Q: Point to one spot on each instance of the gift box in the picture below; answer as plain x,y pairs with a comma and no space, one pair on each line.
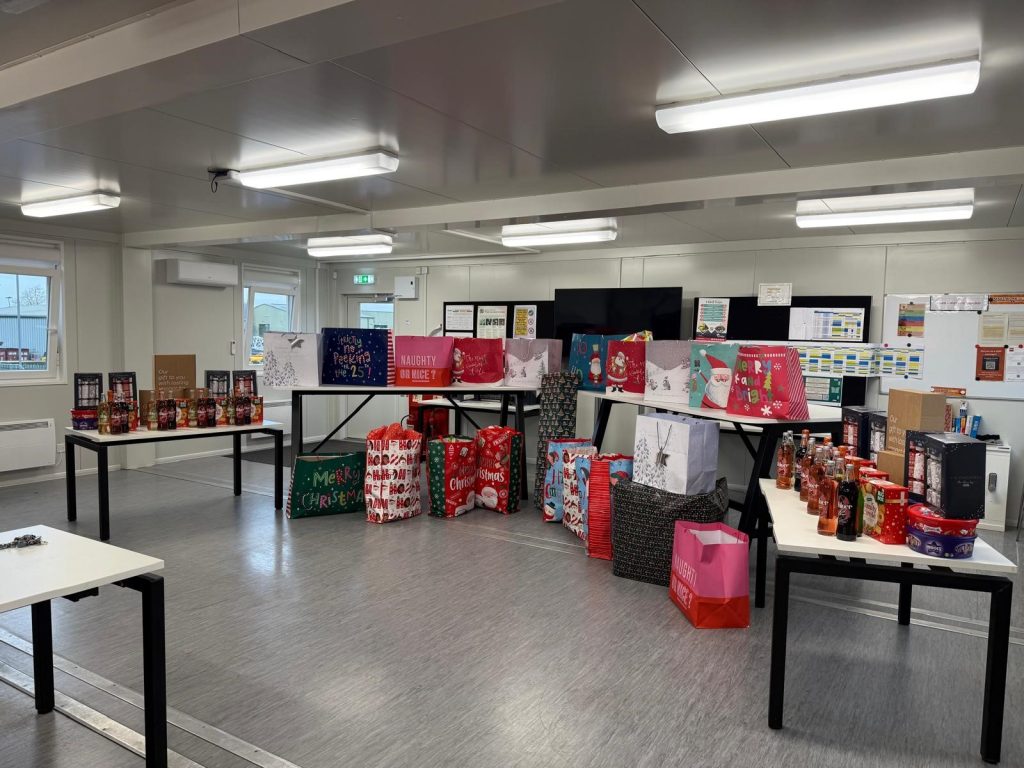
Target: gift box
478,361
767,382
291,359
556,453
710,581
326,484
356,356
856,432
955,475
925,519
711,367
499,480
527,360
884,511
675,453
586,359
625,366
877,421
451,475
423,361
667,371
392,486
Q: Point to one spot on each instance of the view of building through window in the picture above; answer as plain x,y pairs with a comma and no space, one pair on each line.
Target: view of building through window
270,312
24,321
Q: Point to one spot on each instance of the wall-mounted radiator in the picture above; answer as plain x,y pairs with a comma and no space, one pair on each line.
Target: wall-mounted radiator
27,444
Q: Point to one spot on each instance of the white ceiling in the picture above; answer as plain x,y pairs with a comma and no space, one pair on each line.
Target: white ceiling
487,102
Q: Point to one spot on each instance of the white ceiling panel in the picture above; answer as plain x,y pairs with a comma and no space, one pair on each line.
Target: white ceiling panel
132,215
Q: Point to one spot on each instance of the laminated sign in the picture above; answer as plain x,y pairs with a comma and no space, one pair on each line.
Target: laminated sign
356,356
392,486
451,475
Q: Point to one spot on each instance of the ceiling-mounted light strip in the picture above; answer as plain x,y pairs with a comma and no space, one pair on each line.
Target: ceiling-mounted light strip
934,81
64,206
896,208
559,232
368,164
352,245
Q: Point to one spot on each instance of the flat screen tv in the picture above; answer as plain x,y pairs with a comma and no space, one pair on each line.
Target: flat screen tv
618,310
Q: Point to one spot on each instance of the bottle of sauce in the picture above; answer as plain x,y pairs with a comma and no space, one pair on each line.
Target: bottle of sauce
846,505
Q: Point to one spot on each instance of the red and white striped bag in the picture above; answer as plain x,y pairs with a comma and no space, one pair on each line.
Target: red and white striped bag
767,382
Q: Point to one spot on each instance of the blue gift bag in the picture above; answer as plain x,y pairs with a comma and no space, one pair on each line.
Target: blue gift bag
355,356
586,357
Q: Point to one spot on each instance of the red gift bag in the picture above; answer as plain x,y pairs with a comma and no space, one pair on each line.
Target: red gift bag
498,480
478,361
451,476
767,382
710,580
606,470
625,366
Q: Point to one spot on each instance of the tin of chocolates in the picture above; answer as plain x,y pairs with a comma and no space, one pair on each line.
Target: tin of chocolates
926,520
937,545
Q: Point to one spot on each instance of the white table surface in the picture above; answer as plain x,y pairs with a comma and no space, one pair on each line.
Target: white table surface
796,533
166,434
475,405
818,413
65,564
342,389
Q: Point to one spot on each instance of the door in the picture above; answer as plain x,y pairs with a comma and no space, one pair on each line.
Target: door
363,311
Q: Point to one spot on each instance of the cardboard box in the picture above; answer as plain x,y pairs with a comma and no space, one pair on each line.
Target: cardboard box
910,409
175,373
955,475
892,462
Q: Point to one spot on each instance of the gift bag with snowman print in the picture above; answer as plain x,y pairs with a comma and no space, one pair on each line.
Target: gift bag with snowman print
667,374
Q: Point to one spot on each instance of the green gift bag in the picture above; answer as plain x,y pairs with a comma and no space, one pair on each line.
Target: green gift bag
327,484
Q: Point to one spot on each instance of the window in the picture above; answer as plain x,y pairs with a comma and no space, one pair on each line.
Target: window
270,301
31,303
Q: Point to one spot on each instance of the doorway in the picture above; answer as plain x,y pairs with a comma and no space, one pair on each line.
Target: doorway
370,311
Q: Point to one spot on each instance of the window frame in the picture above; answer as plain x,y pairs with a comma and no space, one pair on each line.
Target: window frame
257,278
55,373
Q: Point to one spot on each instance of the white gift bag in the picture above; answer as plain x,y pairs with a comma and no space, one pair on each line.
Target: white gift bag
291,360
526,360
675,453
667,374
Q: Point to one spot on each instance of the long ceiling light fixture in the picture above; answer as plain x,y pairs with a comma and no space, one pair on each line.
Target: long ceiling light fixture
64,206
367,164
560,232
352,245
897,208
933,81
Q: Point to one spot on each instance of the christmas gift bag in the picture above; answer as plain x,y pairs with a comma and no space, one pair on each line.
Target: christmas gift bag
667,374
624,369
451,475
326,484
711,374
478,361
555,454
355,356
675,453
291,359
710,580
586,358
423,361
606,470
768,382
527,360
575,477
557,418
499,476
392,486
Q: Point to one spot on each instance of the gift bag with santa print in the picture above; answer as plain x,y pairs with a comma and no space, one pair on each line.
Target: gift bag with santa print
392,487
624,369
606,470
710,581
667,374
711,374
586,358
527,360
675,453
498,476
478,361
556,452
451,475
767,382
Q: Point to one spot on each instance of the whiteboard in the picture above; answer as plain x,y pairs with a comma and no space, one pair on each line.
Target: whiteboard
948,347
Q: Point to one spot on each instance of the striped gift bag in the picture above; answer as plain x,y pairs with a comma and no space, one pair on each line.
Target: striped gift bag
767,382
606,470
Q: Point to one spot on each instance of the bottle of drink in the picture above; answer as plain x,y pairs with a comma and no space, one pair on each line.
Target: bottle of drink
798,459
784,462
846,506
814,478
827,502
805,467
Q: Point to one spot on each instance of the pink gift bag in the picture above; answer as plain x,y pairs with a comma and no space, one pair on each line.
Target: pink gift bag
710,579
423,361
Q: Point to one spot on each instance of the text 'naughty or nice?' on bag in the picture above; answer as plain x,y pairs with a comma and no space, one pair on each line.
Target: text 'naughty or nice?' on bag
392,486
710,581
327,484
356,356
423,361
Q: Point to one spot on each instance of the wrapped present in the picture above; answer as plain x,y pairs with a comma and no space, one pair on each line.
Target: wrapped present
667,371
557,419
624,367
451,475
327,484
423,361
291,359
555,454
884,514
675,453
499,475
710,579
392,486
586,359
478,361
527,360
356,356
606,470
575,477
711,368
767,382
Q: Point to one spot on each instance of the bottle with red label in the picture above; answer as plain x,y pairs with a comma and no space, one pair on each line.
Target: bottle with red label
815,475
827,501
805,467
798,459
784,462
846,505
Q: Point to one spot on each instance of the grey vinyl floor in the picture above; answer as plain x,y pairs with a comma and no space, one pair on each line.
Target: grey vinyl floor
481,641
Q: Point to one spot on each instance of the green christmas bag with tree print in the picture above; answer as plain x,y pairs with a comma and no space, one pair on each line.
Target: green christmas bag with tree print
327,484
451,475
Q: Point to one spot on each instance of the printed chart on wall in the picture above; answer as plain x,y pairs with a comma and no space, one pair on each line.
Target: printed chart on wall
712,320
826,324
491,321
971,340
458,320
524,321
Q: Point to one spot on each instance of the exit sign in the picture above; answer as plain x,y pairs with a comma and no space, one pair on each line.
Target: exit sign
362,279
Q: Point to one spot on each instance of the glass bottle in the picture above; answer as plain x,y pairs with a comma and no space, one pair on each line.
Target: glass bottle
814,478
805,467
798,460
784,462
846,506
827,502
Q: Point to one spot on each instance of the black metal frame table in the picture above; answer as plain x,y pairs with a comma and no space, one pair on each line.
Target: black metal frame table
99,444
74,567
803,550
448,393
754,519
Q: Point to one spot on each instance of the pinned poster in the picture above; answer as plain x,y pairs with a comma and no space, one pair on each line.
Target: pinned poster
826,324
491,320
524,321
712,319
458,318
958,302
910,321
992,327
1014,363
990,363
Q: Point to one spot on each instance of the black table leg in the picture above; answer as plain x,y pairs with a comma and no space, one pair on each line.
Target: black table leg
524,492
69,477
780,622
762,468
906,594
761,563
278,469
42,656
236,459
296,425
995,673
154,666
503,415
604,410
103,478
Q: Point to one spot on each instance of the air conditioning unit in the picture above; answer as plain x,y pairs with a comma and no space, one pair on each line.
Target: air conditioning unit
211,273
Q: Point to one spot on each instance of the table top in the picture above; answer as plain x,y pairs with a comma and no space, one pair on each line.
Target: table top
475,405
796,533
148,436
463,389
65,564
818,413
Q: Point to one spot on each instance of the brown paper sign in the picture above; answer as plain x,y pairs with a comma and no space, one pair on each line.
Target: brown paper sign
176,372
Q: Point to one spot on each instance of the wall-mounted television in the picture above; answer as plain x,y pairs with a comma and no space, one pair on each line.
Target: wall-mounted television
618,310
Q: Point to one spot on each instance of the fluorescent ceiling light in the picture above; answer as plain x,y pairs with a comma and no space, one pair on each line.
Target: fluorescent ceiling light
933,81
353,245
80,204
896,208
367,164
560,232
